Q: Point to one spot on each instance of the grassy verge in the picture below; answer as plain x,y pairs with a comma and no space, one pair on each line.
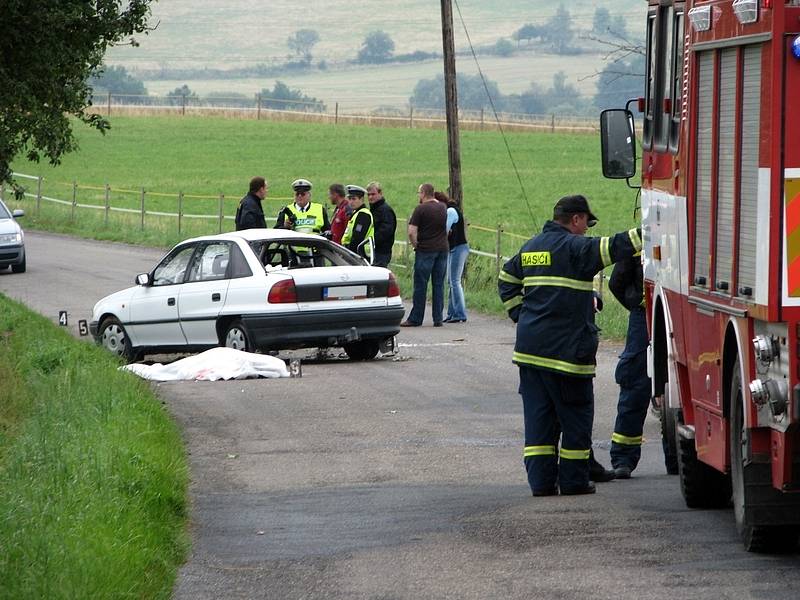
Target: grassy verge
93,476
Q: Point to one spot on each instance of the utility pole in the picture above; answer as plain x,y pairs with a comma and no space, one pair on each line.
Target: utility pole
451,102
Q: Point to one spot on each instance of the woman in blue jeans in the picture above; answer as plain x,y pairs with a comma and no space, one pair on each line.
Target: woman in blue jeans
457,259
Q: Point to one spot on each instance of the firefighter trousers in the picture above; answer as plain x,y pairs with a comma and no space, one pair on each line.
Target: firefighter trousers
550,400
634,394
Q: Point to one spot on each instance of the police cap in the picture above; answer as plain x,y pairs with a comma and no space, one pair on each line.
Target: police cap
301,185
355,191
570,205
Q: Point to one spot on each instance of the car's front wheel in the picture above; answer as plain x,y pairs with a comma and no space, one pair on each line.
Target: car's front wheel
363,350
114,338
20,268
236,337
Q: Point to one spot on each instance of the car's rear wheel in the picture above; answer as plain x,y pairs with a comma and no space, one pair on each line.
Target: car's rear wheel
236,337
20,268
363,350
114,338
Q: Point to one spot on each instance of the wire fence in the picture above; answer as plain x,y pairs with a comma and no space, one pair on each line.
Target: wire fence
109,207
260,107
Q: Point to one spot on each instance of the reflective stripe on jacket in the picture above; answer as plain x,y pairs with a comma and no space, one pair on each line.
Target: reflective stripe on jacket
547,290
311,220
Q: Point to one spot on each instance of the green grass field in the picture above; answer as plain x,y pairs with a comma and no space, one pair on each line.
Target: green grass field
209,156
93,475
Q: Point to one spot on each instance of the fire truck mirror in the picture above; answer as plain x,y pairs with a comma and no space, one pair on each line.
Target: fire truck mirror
618,144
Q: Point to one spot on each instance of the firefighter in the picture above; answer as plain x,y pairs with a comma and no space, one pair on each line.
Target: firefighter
547,290
359,236
627,285
303,215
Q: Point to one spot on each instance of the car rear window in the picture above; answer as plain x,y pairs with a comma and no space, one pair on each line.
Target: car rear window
296,254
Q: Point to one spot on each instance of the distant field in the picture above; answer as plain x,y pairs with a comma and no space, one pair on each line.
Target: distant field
240,33
363,88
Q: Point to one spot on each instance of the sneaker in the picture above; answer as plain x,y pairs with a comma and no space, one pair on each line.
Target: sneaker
408,323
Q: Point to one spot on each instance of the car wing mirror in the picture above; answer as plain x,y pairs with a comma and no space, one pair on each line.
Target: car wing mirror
17,213
618,144
143,279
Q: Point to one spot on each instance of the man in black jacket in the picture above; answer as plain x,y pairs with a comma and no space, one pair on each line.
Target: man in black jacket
547,290
250,214
384,222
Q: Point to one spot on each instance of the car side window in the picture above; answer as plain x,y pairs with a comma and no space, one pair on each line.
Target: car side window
211,262
172,269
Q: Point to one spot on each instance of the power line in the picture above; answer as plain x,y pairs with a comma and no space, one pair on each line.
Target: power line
497,119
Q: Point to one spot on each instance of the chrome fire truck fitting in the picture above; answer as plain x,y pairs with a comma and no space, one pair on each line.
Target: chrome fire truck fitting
766,348
772,392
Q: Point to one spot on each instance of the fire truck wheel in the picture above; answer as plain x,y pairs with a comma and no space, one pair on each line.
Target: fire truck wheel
669,432
702,486
752,485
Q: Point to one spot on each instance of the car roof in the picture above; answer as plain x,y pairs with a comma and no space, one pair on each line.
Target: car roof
254,235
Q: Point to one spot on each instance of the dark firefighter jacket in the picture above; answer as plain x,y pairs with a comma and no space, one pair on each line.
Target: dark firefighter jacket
627,282
547,290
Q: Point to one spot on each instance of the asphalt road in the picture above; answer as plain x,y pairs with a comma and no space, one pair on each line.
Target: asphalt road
403,478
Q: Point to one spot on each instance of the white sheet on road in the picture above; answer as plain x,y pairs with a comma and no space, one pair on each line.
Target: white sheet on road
214,364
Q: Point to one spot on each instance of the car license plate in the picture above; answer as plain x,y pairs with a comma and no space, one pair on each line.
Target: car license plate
344,292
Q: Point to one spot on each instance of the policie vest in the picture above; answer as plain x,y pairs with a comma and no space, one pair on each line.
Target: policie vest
348,233
309,221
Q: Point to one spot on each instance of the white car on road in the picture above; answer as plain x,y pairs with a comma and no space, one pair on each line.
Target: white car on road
12,240
259,289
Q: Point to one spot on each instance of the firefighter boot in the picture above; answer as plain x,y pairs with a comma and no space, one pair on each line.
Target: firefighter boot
598,472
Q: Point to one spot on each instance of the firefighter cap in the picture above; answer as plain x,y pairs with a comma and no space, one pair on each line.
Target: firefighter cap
570,205
355,191
301,185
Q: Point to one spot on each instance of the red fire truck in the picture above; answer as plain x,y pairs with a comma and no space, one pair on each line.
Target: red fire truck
720,204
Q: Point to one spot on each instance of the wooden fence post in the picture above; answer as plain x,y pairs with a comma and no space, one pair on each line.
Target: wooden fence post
336,115
141,209
553,123
180,210
498,251
38,195
481,119
221,210
74,200
411,117
108,110
108,202
258,110
183,104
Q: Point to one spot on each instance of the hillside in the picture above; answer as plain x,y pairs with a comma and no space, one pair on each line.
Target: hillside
235,34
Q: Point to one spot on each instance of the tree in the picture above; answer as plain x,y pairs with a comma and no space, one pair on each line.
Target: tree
503,47
429,93
282,97
527,32
376,48
618,27
602,20
558,31
117,80
48,51
620,81
301,43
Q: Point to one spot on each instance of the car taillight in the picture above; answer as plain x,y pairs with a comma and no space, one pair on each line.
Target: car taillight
394,289
283,292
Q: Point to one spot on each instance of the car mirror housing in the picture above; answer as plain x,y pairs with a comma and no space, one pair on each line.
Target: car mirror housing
143,279
18,212
618,144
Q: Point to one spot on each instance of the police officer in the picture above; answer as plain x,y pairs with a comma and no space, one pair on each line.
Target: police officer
360,227
250,213
303,215
547,290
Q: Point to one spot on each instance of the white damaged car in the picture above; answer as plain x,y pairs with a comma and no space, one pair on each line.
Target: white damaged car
254,290
12,240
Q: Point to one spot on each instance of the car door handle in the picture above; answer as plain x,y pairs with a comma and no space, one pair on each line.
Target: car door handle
215,297
170,301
